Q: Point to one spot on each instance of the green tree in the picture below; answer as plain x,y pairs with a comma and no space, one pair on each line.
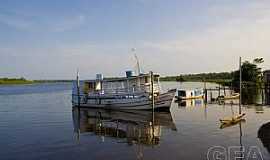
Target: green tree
251,80
251,74
258,60
179,78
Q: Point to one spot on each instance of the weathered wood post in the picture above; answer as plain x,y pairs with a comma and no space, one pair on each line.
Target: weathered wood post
240,84
152,90
78,88
205,92
218,90
153,105
79,124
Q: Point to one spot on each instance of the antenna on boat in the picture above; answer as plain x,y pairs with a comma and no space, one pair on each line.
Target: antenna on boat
137,61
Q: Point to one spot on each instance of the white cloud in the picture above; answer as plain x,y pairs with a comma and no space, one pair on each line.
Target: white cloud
34,23
69,23
241,31
235,30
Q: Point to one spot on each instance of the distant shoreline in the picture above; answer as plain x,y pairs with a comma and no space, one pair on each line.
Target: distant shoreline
22,81
224,82
220,78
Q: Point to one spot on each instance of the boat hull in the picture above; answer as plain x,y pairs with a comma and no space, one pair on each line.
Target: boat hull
162,102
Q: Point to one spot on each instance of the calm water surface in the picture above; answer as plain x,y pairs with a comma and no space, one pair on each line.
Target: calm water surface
37,122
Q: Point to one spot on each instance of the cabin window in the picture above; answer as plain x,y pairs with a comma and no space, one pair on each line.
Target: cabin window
98,86
182,93
91,87
146,79
156,78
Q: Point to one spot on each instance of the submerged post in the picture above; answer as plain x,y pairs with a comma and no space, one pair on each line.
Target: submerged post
240,84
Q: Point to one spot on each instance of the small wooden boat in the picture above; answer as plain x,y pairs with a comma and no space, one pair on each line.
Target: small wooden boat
233,96
232,120
189,94
225,125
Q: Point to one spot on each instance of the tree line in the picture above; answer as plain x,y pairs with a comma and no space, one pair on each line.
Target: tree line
251,75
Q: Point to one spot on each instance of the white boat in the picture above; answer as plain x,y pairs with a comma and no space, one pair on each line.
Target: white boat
189,94
127,93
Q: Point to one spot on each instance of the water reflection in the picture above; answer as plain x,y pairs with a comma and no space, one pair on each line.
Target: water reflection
264,135
133,127
190,103
255,95
267,94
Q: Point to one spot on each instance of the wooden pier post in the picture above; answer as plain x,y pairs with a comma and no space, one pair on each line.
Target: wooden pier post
205,96
219,90
78,124
78,88
205,92
153,106
240,84
152,90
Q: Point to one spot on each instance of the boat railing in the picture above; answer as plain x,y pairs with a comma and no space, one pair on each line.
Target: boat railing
129,90
115,94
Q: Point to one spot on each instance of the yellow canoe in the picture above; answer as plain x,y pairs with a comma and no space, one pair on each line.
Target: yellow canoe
234,119
233,96
188,98
225,125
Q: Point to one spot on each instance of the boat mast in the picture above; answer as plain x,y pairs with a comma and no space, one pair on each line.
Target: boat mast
137,63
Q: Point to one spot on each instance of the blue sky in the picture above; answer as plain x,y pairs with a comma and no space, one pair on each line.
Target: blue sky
51,39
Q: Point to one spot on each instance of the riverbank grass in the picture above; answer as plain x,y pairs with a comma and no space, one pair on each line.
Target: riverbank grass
4,81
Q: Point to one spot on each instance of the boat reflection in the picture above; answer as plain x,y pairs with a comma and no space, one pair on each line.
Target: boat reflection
132,127
190,103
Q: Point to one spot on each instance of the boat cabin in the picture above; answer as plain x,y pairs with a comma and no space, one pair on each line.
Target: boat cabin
121,85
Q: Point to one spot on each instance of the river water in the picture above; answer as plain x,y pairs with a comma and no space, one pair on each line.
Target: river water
38,122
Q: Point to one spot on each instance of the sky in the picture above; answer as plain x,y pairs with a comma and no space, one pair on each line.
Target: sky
52,39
